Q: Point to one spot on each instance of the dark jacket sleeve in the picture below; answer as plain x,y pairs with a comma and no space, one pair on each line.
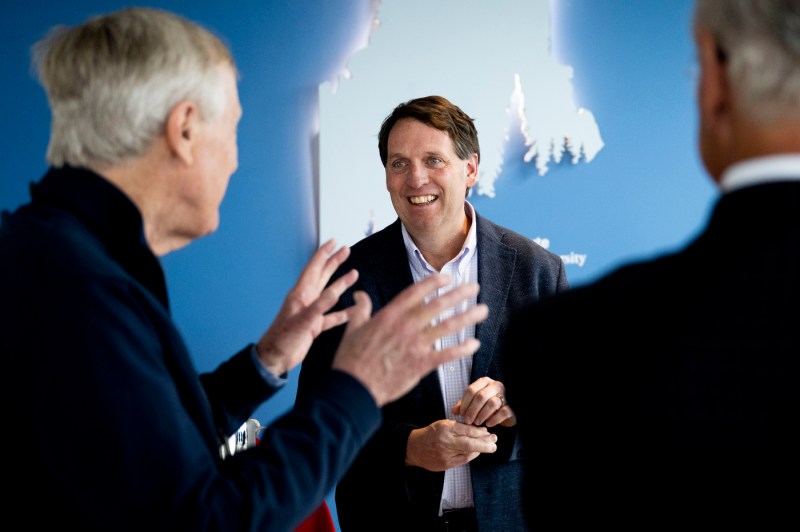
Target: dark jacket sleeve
119,432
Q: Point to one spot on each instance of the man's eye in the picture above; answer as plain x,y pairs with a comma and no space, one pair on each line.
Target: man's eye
398,164
434,161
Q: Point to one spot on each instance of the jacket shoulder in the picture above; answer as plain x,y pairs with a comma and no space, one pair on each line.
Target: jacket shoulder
516,241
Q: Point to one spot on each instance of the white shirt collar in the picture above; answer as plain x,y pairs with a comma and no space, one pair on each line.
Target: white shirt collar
467,250
784,167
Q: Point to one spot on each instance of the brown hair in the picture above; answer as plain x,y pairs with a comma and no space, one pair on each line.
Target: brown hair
437,112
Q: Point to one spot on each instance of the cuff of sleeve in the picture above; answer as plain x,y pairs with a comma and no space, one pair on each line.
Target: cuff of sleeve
274,381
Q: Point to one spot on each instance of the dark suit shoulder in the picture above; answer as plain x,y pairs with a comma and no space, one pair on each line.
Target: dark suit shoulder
380,241
517,241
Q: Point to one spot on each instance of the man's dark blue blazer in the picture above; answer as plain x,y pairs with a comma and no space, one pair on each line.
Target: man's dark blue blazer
379,491
106,423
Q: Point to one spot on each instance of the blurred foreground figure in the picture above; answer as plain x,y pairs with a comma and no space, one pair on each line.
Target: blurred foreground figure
108,426
669,390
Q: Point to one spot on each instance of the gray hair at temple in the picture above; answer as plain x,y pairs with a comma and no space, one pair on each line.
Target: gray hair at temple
760,42
112,81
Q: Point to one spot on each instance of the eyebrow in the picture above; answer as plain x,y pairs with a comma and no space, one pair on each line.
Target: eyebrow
440,155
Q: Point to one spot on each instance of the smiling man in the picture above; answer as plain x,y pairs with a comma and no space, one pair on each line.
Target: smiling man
446,456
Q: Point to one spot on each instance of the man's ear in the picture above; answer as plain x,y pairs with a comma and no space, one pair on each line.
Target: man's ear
714,96
181,130
472,170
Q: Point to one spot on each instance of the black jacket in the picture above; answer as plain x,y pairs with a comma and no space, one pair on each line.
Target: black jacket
107,425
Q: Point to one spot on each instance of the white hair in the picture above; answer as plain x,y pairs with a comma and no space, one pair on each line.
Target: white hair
112,81
760,42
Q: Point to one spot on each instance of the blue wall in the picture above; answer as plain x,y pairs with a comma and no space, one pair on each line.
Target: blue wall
644,193
224,288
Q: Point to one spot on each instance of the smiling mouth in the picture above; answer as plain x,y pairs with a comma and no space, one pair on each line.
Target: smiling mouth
422,200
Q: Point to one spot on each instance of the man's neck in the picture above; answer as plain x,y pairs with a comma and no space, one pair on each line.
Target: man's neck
440,248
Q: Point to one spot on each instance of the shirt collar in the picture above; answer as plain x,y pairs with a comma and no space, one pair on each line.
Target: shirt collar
418,262
784,167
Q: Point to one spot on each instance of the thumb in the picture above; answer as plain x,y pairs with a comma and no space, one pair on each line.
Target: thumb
360,312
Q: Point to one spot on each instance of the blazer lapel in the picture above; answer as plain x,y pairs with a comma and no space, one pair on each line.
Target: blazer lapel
390,264
393,274
495,280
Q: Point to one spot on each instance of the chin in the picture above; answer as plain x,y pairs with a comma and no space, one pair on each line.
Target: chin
212,221
211,228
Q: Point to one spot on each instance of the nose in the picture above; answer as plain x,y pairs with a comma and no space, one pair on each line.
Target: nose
417,175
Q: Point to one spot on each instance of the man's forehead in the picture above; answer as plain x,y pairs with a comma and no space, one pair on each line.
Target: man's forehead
431,140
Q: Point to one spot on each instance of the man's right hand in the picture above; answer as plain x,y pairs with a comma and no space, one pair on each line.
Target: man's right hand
448,443
390,352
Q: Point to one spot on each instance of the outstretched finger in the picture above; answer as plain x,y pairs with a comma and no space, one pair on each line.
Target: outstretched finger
359,313
329,297
413,296
441,356
456,322
320,257
333,262
452,298
321,266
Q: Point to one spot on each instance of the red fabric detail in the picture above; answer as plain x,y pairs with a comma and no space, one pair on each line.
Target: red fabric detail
320,521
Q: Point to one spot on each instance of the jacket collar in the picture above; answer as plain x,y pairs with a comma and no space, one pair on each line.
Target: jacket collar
109,215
